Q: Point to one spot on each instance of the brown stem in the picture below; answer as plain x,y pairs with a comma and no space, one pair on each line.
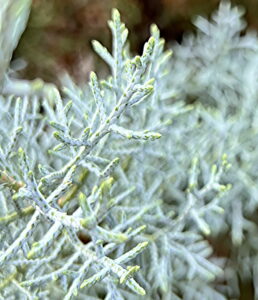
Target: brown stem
10,181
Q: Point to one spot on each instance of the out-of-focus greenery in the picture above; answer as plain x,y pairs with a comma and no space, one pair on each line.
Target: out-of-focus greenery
59,31
13,18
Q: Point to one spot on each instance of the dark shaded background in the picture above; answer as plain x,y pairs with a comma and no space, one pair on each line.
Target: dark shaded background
59,31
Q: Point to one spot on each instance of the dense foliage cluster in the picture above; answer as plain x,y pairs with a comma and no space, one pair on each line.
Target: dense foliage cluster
123,188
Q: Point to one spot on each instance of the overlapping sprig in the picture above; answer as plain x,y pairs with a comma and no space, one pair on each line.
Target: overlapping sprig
91,204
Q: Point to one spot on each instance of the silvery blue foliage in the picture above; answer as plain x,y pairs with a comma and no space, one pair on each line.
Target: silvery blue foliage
118,189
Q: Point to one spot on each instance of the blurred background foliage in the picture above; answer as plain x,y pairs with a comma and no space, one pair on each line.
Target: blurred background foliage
59,32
